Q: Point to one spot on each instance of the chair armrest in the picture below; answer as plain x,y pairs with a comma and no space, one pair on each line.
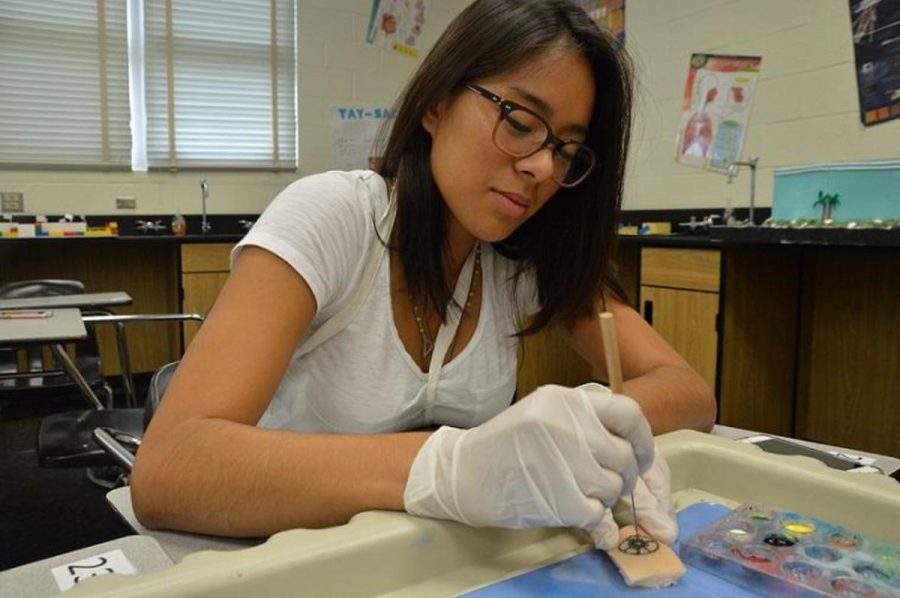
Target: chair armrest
118,321
108,441
126,318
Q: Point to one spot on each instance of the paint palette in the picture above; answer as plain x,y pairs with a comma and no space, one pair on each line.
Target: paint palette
777,552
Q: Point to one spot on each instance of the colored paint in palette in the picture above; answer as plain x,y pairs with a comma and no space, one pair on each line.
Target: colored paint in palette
776,552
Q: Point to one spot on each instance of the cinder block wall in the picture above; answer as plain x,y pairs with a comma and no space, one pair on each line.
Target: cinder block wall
806,108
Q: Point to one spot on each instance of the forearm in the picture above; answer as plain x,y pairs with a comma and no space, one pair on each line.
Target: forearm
672,398
219,477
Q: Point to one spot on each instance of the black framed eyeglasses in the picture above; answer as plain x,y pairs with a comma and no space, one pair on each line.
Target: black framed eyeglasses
521,132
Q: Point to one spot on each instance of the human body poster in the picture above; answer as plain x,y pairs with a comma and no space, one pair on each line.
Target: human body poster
397,25
876,45
718,96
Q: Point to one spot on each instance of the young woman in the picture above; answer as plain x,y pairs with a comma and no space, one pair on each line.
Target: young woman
364,308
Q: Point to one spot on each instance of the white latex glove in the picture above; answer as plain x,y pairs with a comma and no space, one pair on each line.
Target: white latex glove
556,458
653,507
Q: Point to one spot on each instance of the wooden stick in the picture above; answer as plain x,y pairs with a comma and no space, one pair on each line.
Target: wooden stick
611,352
661,567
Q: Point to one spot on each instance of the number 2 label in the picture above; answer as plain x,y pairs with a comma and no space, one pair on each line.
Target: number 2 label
114,561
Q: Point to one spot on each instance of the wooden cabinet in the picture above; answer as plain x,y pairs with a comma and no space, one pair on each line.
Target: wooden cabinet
759,339
146,269
811,344
204,270
848,366
680,298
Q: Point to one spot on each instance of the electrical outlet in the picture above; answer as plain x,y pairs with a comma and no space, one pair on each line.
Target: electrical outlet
126,203
12,201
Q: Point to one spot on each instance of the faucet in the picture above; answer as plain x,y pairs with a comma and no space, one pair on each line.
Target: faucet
205,226
150,226
704,224
733,171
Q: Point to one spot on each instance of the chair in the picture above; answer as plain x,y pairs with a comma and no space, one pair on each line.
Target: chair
25,371
77,438
67,439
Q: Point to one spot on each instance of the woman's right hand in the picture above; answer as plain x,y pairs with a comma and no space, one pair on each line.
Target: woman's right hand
559,457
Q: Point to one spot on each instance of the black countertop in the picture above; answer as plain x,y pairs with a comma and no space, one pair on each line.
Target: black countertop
230,228
136,238
677,240
723,236
831,237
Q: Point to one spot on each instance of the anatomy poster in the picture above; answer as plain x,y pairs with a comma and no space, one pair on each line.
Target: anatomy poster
609,14
876,44
397,25
716,109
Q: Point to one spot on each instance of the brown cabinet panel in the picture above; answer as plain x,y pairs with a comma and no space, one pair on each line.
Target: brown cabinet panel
204,269
760,324
200,292
696,269
849,376
205,257
687,320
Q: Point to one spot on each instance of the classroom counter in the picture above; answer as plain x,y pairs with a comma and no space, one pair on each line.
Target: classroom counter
229,228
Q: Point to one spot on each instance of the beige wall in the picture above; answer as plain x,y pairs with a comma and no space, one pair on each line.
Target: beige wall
806,107
335,66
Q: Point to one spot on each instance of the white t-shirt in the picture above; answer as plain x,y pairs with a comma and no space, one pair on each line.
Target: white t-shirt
362,380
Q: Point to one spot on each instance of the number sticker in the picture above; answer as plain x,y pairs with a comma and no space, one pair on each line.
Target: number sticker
114,561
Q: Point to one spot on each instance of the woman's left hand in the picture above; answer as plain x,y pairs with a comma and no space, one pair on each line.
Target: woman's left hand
652,504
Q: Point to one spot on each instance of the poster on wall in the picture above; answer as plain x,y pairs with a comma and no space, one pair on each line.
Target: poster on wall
608,14
876,45
397,25
354,132
718,96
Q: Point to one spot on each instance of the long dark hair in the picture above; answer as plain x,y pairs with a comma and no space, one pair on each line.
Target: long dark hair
568,242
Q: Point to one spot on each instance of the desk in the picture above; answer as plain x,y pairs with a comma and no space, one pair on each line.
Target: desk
85,301
386,553
139,554
176,544
81,300
63,325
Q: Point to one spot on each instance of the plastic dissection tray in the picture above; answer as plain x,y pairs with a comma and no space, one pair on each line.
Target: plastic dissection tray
383,553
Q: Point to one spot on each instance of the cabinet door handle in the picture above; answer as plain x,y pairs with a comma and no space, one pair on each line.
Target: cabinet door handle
648,312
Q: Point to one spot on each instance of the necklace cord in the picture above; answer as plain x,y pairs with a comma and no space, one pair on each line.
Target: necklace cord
419,316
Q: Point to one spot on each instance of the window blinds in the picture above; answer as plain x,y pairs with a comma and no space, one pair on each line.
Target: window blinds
220,81
64,83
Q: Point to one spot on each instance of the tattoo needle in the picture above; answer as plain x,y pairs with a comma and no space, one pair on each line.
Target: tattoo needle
634,514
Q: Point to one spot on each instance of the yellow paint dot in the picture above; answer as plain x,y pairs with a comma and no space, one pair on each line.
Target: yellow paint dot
800,528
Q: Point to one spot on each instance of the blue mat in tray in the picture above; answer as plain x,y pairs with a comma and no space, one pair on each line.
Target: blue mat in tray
593,574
